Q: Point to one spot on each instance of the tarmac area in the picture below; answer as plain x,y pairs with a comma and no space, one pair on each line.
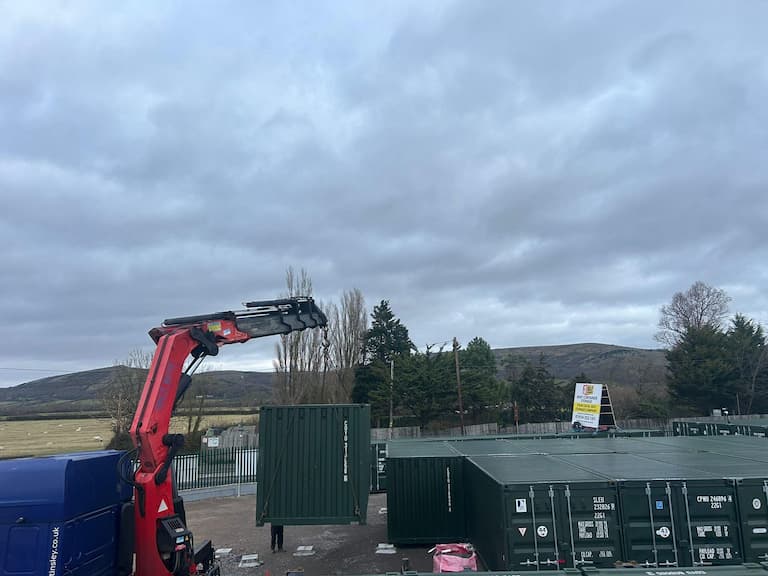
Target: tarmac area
337,550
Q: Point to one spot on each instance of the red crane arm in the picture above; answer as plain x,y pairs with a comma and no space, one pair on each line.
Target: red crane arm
163,545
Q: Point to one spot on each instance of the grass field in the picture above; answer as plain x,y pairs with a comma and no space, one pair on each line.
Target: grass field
41,437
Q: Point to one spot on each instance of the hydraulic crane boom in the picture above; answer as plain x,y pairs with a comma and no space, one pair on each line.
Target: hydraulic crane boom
163,545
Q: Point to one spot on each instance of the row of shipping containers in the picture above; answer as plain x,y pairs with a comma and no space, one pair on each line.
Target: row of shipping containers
553,504
378,456
749,569
741,428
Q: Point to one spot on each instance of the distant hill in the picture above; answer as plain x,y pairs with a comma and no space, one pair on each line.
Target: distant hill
82,391
600,362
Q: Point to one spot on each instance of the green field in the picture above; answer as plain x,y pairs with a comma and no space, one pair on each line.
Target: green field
41,437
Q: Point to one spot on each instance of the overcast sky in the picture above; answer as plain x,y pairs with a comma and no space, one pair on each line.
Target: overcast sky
533,173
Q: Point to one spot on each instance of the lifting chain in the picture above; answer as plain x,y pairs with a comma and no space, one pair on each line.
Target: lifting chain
326,344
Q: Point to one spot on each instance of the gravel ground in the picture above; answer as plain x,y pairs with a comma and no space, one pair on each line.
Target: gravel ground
339,550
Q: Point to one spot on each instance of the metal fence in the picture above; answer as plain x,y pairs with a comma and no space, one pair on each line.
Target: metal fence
215,467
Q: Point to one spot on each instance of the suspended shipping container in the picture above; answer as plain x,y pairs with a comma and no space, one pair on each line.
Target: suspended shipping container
314,464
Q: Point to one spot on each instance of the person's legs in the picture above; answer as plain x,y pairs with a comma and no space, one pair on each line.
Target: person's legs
273,531
280,538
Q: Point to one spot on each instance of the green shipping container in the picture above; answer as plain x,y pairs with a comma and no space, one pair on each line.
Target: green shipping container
749,569
534,512
425,494
753,504
314,464
378,467
675,511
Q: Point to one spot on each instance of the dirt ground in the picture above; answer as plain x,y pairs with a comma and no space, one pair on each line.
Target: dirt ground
338,550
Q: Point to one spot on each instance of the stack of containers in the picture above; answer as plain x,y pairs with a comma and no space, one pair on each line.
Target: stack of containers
738,428
61,515
600,503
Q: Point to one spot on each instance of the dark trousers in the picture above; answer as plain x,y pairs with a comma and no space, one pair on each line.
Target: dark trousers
277,535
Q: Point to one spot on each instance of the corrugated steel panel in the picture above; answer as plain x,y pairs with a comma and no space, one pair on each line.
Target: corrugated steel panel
314,464
425,500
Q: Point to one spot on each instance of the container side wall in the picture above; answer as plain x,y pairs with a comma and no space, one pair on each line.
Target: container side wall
485,517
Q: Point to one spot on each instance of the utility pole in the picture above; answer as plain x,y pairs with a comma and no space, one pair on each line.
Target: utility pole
458,382
391,396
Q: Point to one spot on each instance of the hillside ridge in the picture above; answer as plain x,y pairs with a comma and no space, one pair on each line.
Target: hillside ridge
82,391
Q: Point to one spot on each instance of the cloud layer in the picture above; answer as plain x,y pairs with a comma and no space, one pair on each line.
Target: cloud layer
529,173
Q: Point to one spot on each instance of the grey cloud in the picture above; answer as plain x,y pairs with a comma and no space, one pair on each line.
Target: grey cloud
530,173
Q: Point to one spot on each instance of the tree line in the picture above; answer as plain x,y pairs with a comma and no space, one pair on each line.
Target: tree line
712,362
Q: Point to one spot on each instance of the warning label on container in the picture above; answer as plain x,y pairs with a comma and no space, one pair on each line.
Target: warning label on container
521,505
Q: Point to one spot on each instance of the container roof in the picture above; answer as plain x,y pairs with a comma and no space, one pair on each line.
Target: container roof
527,469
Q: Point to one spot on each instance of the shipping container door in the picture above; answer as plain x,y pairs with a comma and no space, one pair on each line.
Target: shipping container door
532,522
381,467
648,515
591,526
753,509
425,500
378,467
708,523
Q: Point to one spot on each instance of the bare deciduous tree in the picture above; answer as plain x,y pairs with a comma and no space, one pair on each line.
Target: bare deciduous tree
121,396
191,410
299,363
701,305
348,323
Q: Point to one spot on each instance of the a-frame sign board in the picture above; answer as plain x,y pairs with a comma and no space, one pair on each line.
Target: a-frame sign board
592,408
607,418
